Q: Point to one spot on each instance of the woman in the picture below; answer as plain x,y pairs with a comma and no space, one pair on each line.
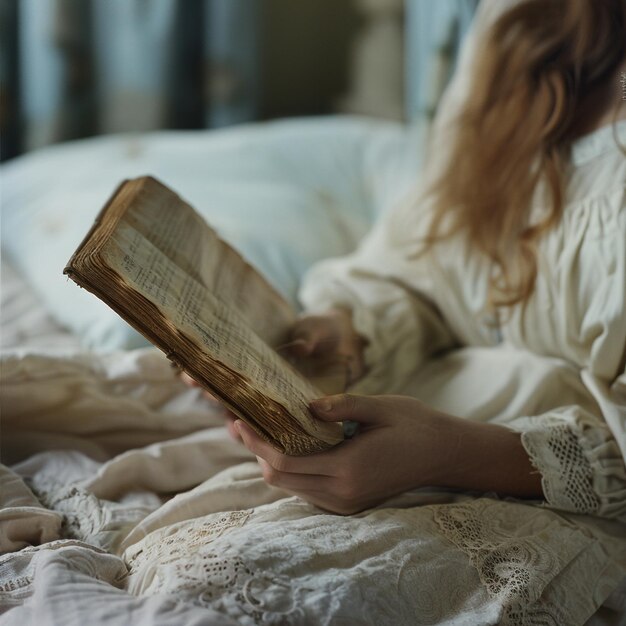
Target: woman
499,296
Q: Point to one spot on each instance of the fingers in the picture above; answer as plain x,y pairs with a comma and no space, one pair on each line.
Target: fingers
188,380
297,348
229,415
317,478
232,429
191,382
312,334
310,483
311,464
346,406
325,492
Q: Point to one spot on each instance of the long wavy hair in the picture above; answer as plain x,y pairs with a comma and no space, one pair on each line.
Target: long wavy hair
532,72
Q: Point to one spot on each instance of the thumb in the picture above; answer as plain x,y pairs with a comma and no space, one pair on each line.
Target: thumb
346,406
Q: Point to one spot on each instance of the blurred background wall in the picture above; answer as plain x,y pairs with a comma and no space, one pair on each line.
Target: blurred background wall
76,68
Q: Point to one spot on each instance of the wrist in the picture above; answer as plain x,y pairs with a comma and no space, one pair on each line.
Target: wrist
487,457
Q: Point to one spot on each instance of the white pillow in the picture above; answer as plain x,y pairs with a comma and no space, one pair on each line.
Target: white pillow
285,194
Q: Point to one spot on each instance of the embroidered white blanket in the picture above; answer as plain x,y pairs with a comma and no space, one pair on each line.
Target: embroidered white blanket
125,501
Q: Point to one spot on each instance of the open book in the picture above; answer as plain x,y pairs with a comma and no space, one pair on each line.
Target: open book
156,262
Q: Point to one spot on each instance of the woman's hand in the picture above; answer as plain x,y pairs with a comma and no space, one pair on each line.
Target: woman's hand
327,350
401,444
226,414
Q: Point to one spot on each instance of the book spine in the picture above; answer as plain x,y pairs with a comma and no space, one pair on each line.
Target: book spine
70,264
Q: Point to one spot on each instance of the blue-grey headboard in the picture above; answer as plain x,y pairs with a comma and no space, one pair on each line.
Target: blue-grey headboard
434,30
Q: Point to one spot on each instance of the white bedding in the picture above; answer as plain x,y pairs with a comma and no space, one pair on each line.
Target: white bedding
125,501
122,498
285,194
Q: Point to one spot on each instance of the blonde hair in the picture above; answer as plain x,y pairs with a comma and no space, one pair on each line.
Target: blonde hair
532,72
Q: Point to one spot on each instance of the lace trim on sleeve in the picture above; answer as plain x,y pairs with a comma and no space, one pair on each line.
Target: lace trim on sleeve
566,474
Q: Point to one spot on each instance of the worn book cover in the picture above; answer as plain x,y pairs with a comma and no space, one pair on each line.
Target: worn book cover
153,259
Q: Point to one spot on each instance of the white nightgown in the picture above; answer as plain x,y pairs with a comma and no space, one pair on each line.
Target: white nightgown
556,374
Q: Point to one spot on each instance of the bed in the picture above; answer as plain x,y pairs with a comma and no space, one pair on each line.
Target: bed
123,499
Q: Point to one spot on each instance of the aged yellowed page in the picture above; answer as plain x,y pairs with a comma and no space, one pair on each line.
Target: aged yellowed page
155,261
218,328
173,227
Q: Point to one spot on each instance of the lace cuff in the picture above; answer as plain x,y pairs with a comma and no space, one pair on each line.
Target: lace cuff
581,467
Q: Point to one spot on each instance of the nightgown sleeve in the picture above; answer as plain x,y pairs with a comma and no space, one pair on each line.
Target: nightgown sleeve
579,454
388,291
578,451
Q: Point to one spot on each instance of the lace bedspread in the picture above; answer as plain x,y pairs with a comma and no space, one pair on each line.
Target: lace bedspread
123,500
